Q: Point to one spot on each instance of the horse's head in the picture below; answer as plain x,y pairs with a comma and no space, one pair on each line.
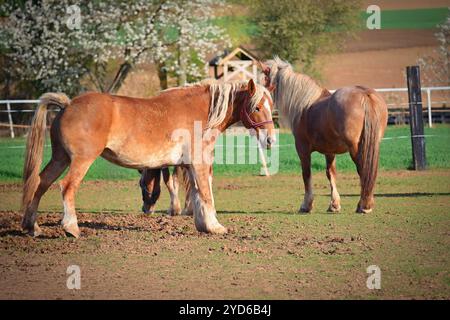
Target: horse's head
256,113
266,72
270,68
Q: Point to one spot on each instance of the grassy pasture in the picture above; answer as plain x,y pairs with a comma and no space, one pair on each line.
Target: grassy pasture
271,251
241,28
424,18
395,154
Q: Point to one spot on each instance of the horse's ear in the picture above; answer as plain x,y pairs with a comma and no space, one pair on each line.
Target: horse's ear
251,87
263,67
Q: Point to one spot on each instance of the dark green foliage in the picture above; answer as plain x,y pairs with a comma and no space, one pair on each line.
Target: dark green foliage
297,29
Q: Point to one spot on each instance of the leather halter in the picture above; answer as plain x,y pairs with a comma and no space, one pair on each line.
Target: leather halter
247,121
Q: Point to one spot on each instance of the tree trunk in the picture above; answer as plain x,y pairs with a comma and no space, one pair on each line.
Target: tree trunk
162,75
182,79
120,77
6,88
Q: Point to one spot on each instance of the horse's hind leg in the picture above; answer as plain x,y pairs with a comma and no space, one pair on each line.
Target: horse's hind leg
365,203
305,159
335,203
51,172
171,181
69,186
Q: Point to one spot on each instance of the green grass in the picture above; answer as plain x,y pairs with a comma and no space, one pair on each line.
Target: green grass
238,28
241,28
395,154
425,18
271,251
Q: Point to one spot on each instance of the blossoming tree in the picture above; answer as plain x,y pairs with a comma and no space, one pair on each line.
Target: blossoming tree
58,46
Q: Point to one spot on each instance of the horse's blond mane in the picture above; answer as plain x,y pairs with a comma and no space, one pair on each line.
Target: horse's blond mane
222,95
294,92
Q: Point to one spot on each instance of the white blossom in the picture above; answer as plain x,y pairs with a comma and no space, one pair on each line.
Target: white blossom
58,58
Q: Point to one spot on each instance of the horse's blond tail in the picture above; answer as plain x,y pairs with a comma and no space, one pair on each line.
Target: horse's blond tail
369,148
35,145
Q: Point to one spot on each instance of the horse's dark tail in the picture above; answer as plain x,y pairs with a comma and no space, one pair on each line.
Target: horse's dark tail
369,145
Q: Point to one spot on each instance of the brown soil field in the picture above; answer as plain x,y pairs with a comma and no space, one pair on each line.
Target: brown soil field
376,58
377,40
374,68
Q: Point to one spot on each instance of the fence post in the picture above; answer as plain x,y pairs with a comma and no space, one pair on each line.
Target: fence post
430,120
416,117
11,125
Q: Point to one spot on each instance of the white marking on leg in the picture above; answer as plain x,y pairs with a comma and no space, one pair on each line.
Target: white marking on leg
204,214
69,217
210,190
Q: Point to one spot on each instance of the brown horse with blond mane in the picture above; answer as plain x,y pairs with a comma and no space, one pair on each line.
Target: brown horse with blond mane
140,134
352,119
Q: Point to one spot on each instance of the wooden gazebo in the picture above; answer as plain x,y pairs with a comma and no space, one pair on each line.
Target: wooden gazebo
237,65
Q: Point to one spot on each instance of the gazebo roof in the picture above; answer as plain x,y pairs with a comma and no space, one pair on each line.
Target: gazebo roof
244,53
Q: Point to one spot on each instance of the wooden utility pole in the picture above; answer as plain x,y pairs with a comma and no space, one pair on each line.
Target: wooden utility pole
416,117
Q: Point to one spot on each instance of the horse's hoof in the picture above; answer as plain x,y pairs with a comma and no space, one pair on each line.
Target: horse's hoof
218,229
334,209
148,211
34,231
174,211
303,210
187,212
214,228
363,211
72,231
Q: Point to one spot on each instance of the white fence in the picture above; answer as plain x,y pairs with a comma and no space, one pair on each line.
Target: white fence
428,90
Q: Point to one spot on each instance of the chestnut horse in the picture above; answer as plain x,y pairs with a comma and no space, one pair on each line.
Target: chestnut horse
352,119
137,133
151,178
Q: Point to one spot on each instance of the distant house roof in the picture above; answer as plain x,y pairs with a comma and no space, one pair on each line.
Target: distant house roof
240,52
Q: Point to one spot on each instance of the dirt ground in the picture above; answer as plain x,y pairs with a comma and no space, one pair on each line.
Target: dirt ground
271,251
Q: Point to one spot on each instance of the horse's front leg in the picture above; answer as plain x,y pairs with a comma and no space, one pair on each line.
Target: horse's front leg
305,159
335,203
171,181
205,216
